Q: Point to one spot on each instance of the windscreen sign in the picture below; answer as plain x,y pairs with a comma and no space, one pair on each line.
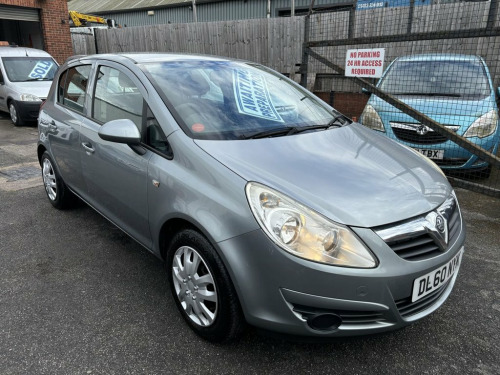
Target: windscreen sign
252,96
41,69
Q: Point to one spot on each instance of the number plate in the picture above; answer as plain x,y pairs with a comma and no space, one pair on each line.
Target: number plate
431,154
433,280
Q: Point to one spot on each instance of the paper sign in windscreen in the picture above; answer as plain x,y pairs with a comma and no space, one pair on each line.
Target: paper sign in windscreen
41,69
252,96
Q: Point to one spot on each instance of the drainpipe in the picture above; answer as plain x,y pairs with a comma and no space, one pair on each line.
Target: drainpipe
293,9
268,8
195,18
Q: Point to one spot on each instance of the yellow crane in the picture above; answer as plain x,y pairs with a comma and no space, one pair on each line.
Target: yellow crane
81,19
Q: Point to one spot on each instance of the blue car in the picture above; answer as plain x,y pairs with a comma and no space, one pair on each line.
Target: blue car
454,90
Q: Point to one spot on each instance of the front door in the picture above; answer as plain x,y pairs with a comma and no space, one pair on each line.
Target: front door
115,174
3,89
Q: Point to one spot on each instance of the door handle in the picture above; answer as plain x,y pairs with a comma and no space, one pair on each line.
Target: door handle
51,125
88,148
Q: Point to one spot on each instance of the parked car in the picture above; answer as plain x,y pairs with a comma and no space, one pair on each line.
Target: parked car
454,90
266,204
25,78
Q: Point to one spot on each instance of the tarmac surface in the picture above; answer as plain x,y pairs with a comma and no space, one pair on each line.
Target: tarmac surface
77,296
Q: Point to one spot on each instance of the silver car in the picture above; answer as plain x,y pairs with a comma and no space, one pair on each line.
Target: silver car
25,78
267,206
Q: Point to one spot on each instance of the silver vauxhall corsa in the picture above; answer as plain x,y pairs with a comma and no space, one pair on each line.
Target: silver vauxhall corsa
267,205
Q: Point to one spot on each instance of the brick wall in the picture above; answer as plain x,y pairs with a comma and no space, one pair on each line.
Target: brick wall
350,104
56,36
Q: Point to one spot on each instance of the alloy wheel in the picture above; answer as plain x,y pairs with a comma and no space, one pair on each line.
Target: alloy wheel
49,179
194,286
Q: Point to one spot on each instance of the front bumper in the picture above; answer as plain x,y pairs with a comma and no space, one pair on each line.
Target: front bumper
275,287
28,111
455,157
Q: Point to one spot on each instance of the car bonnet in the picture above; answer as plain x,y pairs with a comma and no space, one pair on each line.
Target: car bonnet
351,174
38,88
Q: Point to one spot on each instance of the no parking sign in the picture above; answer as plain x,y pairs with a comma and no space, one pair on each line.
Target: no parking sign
365,62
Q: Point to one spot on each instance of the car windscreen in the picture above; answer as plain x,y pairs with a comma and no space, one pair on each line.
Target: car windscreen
464,79
24,69
234,100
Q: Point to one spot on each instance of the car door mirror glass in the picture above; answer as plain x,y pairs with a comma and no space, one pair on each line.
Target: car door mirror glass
120,131
498,91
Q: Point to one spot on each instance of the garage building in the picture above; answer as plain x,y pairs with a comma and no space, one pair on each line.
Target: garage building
41,24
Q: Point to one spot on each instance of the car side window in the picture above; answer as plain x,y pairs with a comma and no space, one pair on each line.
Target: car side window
154,137
60,87
75,86
116,97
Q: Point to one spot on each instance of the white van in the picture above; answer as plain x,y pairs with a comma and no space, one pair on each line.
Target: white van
25,78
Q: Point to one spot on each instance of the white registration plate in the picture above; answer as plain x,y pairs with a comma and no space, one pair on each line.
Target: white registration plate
433,280
431,154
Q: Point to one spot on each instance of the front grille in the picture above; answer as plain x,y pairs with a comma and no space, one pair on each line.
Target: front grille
454,226
450,162
408,132
349,317
419,239
407,308
416,248
411,136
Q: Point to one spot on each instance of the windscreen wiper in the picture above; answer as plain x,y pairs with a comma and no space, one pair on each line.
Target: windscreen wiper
337,118
292,130
38,79
301,129
276,132
428,94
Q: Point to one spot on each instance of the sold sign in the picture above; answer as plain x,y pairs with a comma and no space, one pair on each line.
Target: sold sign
41,69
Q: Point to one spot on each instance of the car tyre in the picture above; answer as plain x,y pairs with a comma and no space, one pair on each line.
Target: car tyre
202,288
58,193
14,114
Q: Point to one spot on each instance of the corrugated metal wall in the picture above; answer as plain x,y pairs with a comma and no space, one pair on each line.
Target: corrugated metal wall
207,12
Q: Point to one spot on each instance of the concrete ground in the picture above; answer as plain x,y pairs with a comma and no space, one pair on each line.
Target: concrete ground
77,296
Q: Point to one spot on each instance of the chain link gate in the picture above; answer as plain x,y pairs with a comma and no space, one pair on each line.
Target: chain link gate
439,93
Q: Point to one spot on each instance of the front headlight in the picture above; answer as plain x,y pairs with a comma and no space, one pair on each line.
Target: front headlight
303,232
30,98
483,126
371,119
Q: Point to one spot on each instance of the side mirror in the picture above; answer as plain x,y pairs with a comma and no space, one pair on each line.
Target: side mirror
498,91
365,91
120,131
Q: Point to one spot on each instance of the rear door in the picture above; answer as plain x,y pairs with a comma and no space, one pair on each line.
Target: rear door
116,174
61,119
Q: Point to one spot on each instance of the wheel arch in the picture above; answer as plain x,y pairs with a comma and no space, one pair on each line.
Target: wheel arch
40,150
174,225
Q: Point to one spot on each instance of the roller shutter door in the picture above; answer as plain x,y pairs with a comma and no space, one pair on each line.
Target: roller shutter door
19,14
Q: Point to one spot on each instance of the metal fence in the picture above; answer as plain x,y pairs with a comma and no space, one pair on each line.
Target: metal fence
439,96
438,93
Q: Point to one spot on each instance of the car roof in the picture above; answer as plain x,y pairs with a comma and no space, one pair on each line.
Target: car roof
439,57
141,57
12,51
